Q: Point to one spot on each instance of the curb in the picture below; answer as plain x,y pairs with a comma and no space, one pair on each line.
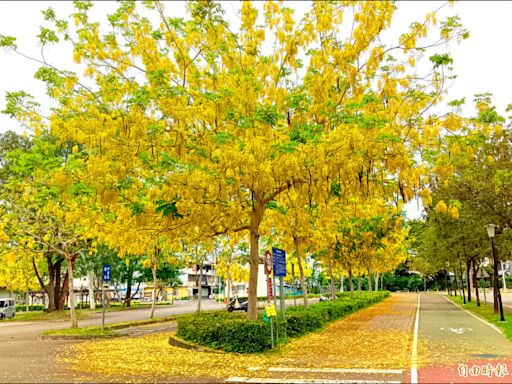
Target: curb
78,337
143,322
113,327
176,342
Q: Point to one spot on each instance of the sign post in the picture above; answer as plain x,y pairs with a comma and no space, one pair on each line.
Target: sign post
106,279
268,270
279,261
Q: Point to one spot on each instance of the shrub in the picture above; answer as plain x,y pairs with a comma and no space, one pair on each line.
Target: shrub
35,307
232,332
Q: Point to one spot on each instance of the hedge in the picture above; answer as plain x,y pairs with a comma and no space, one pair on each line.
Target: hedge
35,307
232,332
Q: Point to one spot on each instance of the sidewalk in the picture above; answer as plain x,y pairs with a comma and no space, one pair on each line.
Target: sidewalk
370,345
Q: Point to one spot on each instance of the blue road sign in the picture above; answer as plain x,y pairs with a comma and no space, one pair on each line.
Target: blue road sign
279,261
106,272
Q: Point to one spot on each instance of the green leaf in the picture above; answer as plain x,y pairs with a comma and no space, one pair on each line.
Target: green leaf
168,209
439,60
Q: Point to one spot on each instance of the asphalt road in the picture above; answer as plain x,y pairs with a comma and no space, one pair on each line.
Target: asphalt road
25,358
506,297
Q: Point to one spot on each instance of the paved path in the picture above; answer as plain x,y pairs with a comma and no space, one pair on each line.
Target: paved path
377,344
393,342
25,358
451,342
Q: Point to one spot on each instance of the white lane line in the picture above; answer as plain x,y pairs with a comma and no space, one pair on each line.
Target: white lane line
336,370
266,380
414,358
475,316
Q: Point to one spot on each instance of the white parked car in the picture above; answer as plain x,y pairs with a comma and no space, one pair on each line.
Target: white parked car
7,308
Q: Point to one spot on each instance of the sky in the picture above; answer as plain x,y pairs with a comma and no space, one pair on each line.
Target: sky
482,63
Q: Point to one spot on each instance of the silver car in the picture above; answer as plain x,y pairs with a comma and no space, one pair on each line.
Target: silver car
7,308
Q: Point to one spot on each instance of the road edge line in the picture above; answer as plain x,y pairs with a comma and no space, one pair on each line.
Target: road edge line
475,316
414,357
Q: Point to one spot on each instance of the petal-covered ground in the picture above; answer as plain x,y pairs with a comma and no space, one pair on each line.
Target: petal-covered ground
378,337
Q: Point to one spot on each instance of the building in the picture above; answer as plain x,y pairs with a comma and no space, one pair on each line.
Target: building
190,278
241,289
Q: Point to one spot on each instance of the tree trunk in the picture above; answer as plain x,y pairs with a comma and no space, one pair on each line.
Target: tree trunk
72,313
200,286
26,297
369,281
468,279
51,297
254,237
495,279
62,292
92,295
350,282
462,282
227,289
229,293
331,276
341,283
298,251
129,281
153,301
475,282
377,282
455,281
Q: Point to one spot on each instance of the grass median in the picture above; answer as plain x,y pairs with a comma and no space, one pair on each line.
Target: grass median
98,331
86,313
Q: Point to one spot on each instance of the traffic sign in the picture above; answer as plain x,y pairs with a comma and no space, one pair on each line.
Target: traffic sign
270,310
106,272
279,261
268,262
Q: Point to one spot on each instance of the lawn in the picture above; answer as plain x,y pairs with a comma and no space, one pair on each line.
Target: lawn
98,331
52,316
486,311
81,313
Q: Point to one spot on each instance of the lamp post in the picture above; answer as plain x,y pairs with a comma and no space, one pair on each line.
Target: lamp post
497,296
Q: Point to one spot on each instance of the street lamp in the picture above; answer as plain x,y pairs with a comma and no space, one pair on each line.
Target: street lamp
497,296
